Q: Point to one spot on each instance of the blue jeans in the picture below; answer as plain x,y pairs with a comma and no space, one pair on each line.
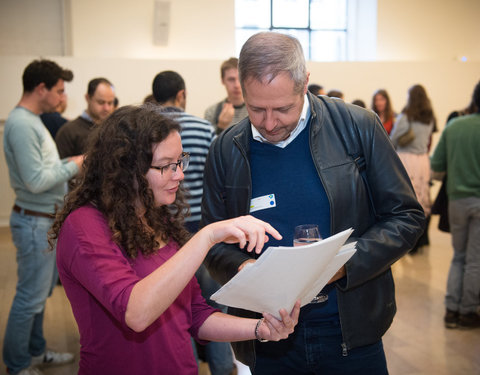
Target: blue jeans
463,284
37,275
315,347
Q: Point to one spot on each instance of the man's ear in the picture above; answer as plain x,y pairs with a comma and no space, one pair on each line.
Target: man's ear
181,99
305,88
40,89
181,95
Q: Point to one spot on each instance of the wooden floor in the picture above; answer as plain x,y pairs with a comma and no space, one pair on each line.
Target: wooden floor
416,344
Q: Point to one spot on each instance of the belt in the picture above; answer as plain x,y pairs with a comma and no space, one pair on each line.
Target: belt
32,213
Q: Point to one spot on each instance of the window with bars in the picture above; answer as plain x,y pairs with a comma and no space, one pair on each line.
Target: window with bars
321,26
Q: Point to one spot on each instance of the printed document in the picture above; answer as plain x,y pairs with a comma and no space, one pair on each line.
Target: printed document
283,275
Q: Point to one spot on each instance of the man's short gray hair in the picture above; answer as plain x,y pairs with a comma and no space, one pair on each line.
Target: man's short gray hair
267,54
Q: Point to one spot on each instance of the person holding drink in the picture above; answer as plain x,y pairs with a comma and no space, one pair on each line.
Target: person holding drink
305,234
288,164
127,263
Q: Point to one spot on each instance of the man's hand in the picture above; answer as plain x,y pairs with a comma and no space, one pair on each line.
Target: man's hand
226,115
77,160
240,267
340,273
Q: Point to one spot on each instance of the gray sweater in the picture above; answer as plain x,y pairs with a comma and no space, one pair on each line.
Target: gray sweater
422,132
36,172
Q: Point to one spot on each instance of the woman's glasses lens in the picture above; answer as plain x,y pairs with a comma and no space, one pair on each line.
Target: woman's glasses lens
182,163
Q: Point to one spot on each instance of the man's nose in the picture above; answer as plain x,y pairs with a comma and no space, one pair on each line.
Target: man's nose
270,122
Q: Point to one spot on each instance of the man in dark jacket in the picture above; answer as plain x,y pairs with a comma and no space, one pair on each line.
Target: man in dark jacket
299,159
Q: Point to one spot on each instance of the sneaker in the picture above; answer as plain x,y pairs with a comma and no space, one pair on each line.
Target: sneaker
30,370
51,358
470,320
451,319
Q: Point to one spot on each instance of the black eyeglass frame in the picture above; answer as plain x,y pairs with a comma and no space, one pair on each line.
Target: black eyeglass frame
182,163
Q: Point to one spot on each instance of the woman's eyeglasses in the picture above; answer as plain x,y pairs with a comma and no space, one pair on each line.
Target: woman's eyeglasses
182,163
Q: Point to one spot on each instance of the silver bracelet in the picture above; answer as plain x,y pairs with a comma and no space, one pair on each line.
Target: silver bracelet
260,321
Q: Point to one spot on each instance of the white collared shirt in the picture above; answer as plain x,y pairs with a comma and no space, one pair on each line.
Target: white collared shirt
302,123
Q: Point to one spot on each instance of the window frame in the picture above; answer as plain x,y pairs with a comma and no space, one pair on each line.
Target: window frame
341,56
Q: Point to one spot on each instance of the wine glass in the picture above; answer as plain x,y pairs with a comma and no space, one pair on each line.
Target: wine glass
304,235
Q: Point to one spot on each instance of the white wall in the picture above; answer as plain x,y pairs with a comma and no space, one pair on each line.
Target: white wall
204,29
114,39
199,29
428,30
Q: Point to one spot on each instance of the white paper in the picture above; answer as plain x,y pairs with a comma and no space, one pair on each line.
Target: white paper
283,275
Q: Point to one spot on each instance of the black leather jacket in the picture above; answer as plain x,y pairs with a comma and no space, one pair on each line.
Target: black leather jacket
385,228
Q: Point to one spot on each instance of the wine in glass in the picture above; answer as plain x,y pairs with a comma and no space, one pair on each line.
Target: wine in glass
304,235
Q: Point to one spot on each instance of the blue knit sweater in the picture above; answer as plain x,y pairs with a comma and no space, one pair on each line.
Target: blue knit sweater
291,177
289,174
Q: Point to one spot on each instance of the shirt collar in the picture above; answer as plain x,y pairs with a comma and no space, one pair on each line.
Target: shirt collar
86,116
302,123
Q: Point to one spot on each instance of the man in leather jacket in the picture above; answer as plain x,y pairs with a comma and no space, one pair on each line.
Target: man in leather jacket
296,148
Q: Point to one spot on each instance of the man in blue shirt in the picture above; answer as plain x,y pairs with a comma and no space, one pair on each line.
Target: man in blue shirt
38,177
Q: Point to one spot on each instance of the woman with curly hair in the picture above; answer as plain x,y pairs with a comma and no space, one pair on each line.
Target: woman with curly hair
127,264
417,115
382,106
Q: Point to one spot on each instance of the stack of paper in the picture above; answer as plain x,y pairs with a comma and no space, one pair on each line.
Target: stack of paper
283,275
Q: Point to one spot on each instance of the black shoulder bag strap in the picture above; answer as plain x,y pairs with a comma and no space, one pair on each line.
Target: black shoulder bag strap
347,131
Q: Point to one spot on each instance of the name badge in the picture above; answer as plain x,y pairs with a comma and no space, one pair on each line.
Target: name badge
262,203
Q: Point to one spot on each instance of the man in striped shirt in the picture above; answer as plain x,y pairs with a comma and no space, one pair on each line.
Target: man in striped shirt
197,135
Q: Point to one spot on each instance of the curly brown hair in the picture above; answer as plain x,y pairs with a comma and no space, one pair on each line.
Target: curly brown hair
419,107
118,157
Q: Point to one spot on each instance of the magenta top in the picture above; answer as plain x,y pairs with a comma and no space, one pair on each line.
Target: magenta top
98,279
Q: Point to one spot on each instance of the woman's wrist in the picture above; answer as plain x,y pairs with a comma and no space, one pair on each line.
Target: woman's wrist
206,237
257,331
